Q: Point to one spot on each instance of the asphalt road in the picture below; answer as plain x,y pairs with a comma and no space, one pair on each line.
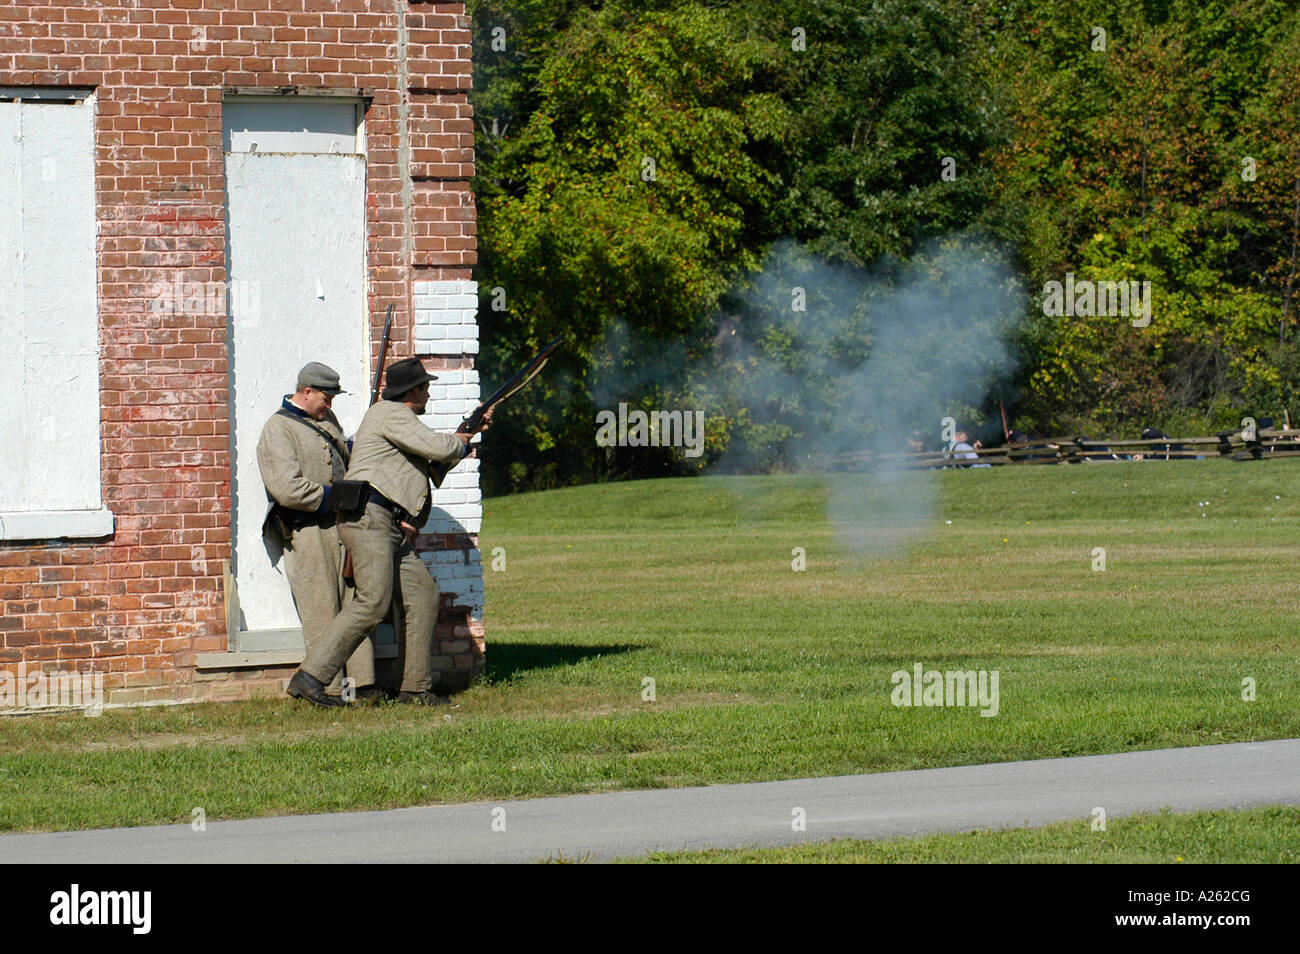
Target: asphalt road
622,824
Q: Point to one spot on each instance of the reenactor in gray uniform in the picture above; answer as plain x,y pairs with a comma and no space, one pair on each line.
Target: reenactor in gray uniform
392,454
302,454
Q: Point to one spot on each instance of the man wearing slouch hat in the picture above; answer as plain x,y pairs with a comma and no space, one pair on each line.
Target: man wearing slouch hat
391,456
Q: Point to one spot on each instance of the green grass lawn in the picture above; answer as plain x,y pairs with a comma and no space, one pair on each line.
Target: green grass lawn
761,672
1258,835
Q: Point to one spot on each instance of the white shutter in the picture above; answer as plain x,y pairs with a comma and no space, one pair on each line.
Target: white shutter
49,328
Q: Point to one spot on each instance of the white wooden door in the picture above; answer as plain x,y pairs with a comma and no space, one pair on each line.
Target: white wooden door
295,180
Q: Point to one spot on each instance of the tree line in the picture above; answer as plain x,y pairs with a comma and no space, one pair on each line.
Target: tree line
658,181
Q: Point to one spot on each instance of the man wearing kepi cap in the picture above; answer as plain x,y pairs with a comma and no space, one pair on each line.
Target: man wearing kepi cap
302,454
392,454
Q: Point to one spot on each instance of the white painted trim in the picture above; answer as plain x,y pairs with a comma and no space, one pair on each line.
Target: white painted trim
254,660
307,127
32,94
55,524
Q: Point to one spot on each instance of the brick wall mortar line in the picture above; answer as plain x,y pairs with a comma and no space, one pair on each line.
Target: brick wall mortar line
404,167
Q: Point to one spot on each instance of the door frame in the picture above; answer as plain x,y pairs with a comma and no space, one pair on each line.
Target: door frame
290,639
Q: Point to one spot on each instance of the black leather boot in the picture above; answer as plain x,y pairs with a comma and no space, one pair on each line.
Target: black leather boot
306,686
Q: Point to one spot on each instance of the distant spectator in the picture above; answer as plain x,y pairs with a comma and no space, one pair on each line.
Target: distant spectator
1158,451
1154,451
1266,424
962,449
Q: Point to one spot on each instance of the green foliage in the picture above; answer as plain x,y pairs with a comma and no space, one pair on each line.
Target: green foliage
826,125
1126,164
884,92
628,197
838,145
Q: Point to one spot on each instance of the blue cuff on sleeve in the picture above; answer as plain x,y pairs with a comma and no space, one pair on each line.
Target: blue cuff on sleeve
325,498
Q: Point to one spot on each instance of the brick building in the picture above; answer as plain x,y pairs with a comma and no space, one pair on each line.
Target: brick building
196,198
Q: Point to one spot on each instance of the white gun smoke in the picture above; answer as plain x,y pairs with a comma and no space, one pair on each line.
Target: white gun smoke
823,360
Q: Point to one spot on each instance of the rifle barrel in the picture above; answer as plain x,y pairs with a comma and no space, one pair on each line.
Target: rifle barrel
383,355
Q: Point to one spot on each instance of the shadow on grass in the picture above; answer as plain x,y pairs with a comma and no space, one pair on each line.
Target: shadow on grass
505,660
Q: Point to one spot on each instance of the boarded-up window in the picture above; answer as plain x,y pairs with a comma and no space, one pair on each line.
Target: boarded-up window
49,341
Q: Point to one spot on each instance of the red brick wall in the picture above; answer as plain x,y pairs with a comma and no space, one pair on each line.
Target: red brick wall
139,605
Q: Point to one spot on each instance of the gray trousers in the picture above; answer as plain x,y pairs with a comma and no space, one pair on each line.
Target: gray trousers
313,561
385,568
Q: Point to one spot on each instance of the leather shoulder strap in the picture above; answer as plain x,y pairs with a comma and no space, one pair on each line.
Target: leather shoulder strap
337,444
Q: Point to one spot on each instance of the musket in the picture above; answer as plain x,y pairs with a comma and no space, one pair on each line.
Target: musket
516,383
374,396
383,355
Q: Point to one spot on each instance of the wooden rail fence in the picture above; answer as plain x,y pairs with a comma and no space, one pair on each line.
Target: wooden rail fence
1073,450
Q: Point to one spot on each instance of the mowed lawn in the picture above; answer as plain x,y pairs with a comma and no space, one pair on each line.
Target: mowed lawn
1268,835
759,671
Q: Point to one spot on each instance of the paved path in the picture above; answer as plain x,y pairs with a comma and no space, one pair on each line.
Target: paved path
621,824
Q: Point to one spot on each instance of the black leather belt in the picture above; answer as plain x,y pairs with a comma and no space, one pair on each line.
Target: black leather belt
399,512
291,519
287,520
